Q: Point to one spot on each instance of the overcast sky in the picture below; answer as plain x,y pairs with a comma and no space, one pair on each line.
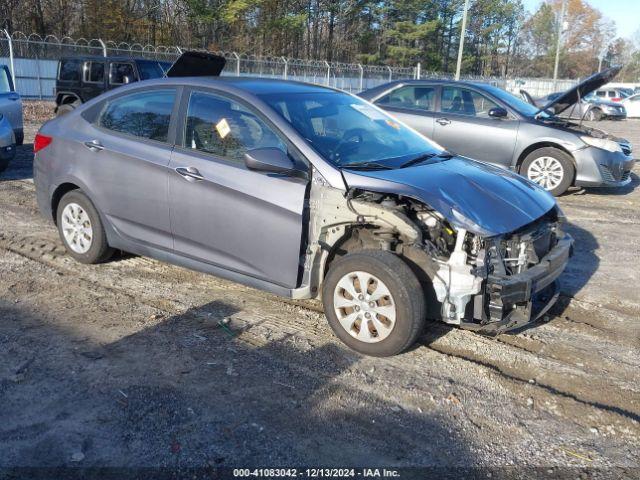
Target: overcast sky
626,13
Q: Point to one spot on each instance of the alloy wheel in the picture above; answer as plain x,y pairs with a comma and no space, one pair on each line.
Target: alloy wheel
546,172
364,306
76,228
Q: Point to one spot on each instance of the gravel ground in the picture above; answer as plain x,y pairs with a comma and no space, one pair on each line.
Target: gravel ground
129,364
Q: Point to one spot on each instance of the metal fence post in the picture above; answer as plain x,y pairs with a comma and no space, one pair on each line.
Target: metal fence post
286,64
361,77
11,65
390,72
104,48
179,50
418,70
237,57
39,78
328,72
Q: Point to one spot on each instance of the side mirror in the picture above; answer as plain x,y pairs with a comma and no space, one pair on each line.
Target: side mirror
498,112
270,159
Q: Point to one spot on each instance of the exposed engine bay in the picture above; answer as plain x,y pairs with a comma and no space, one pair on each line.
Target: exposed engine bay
488,283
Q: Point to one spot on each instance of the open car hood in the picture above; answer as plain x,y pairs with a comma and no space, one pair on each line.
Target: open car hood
584,88
197,64
476,196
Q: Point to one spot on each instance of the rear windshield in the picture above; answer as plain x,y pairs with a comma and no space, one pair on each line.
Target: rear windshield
69,70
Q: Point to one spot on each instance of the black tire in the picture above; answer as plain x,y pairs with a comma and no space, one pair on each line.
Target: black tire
405,290
563,158
99,250
64,109
594,115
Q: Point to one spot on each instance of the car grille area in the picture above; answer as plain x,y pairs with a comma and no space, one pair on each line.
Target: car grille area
610,176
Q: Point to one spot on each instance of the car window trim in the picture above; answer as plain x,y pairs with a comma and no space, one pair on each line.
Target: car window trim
182,120
171,133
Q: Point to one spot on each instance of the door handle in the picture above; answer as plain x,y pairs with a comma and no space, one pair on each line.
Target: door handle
443,121
94,145
14,97
189,173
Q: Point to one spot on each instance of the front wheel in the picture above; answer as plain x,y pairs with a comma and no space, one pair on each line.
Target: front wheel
550,168
374,302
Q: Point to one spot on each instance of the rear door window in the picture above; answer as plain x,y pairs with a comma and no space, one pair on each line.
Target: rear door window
69,70
413,97
225,128
94,72
462,101
118,72
142,114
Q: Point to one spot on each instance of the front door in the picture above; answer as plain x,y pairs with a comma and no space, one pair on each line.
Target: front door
465,128
223,213
126,153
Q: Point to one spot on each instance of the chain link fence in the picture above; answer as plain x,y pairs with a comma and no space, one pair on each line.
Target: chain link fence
33,61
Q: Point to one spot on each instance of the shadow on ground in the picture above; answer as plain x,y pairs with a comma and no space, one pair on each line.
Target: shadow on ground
187,393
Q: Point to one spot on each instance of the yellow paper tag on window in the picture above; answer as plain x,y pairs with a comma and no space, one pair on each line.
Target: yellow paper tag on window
223,128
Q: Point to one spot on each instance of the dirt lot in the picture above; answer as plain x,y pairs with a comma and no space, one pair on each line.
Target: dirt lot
129,364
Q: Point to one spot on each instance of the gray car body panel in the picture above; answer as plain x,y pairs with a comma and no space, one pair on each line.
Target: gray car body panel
506,142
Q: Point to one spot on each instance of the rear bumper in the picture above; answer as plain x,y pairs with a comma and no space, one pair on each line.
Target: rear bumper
510,302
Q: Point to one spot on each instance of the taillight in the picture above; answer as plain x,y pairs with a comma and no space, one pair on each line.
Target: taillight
617,99
40,142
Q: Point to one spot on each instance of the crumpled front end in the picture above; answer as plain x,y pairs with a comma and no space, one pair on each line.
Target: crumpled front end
500,283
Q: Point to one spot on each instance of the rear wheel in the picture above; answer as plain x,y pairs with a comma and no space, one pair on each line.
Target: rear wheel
374,302
66,108
81,229
550,168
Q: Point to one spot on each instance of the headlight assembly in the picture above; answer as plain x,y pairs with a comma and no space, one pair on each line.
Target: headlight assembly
603,143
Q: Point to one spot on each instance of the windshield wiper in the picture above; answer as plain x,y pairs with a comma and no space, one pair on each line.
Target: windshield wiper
366,166
428,156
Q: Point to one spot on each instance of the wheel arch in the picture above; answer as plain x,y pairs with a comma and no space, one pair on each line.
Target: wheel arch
60,191
543,144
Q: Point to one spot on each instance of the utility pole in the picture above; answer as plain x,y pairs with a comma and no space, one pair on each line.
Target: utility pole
560,30
462,32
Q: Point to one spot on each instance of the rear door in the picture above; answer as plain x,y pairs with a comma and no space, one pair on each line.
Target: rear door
222,213
463,126
414,105
126,153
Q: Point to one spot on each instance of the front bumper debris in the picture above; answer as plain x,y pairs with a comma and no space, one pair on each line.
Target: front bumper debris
509,302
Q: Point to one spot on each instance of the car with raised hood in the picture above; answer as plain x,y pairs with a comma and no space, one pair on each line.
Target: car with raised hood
590,108
306,192
484,122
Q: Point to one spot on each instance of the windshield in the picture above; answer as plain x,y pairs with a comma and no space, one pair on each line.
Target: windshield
348,130
149,69
514,102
